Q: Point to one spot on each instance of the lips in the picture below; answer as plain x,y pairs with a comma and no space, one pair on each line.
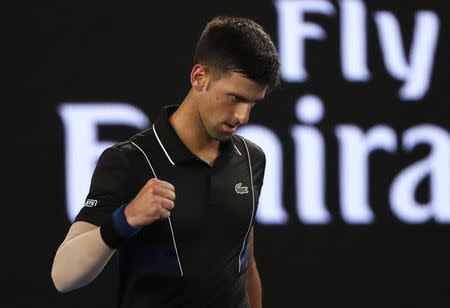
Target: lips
229,128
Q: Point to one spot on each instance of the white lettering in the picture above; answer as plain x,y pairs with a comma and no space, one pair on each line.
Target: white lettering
354,151
310,166
436,165
82,145
416,74
354,40
293,31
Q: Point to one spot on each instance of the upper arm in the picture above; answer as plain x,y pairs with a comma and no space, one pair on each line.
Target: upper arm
110,187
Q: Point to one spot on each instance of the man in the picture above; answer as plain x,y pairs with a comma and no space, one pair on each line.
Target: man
178,200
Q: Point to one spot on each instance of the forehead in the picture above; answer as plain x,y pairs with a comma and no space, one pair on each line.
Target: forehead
236,83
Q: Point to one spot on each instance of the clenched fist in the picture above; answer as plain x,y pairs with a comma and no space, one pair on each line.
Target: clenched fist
154,201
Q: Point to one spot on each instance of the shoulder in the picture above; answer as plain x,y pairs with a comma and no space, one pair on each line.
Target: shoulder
136,142
256,157
128,150
124,160
140,139
256,152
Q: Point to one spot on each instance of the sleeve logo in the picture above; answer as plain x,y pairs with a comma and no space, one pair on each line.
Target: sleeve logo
90,203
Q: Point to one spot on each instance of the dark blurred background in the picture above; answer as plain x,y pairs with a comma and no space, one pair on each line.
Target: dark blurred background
355,209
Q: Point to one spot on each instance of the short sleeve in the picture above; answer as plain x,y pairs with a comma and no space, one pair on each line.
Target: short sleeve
258,160
109,188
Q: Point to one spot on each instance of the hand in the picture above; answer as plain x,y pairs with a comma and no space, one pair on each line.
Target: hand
154,201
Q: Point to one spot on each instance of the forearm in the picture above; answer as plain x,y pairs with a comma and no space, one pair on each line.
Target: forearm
254,286
79,260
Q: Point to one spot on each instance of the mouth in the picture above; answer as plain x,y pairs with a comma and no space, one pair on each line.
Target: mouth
229,128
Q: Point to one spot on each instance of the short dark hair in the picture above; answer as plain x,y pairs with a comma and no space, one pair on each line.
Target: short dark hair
238,44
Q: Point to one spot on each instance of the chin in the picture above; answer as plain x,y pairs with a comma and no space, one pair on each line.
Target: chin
221,137
224,138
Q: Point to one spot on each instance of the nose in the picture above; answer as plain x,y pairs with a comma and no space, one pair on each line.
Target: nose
242,113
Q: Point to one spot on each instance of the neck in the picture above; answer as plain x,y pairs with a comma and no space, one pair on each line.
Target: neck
189,128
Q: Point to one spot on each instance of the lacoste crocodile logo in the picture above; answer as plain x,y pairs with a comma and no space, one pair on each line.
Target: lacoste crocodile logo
239,189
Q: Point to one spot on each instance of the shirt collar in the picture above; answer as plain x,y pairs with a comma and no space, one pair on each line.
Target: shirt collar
173,147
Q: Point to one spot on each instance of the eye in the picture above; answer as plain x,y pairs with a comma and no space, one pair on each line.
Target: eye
235,98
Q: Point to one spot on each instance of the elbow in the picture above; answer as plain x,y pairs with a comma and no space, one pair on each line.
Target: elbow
61,284
61,287
65,283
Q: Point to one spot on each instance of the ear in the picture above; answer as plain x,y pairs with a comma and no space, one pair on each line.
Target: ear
199,76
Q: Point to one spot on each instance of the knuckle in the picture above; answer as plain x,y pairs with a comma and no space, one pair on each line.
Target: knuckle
152,182
164,213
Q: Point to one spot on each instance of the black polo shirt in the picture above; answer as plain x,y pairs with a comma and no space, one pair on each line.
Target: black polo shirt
198,257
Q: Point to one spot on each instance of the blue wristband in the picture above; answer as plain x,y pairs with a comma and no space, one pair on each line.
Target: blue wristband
121,225
115,231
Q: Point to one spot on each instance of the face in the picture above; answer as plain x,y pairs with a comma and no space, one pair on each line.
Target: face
225,104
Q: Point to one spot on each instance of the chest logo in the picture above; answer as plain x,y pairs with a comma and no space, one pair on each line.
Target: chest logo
239,189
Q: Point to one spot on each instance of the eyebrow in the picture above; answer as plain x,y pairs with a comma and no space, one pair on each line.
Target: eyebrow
245,98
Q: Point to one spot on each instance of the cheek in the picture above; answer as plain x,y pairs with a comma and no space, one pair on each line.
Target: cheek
218,102
211,102
218,109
